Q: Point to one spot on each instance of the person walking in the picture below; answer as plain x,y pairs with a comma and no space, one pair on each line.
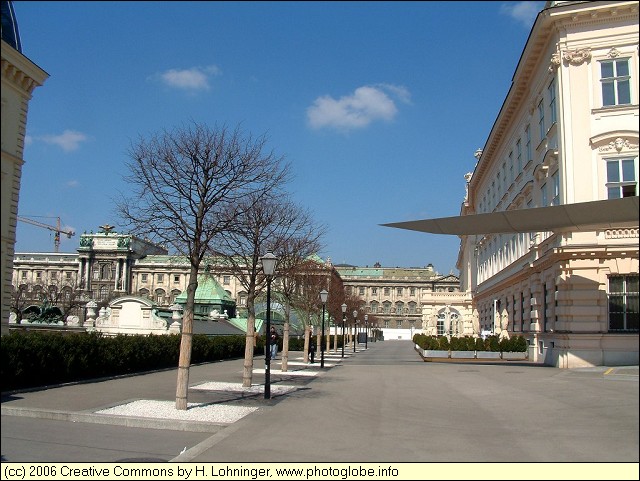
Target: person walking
273,340
312,349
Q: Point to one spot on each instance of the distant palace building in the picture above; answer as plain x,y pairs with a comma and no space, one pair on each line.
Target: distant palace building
110,265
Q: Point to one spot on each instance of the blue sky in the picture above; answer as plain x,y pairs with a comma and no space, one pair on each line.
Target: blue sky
378,106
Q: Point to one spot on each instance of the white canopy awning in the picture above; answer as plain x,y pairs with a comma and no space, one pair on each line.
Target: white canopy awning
582,216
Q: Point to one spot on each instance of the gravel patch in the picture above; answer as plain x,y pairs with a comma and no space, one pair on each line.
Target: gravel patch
214,413
278,372
238,387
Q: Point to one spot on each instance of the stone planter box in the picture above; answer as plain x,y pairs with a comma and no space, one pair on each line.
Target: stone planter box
438,353
487,355
515,356
463,354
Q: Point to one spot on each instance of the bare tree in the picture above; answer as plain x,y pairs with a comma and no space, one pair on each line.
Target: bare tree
266,225
293,255
188,186
309,278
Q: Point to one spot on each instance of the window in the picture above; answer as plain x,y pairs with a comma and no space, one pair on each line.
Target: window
623,303
38,274
621,178
555,185
543,195
361,291
160,277
105,272
386,307
387,291
522,311
399,306
68,275
399,291
614,78
226,280
511,176
24,274
399,324
374,307
543,131
412,291
53,275
552,101
176,279
527,144
143,277
374,291
544,308
519,155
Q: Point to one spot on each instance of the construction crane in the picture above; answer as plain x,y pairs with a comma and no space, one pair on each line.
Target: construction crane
57,229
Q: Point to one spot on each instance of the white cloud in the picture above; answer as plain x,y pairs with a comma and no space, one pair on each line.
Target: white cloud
72,183
69,140
523,12
365,105
192,79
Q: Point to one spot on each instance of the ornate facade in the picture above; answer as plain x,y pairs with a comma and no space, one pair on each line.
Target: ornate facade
567,133
20,77
111,265
409,300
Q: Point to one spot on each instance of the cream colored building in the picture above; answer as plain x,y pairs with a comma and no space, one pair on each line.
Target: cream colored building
20,76
408,300
566,133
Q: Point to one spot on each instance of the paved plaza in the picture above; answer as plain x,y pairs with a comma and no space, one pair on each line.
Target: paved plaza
380,404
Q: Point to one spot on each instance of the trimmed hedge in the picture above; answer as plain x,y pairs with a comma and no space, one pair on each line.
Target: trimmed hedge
32,359
492,343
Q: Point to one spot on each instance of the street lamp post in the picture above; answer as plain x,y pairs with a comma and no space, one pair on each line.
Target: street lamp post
355,329
323,297
344,315
366,331
268,267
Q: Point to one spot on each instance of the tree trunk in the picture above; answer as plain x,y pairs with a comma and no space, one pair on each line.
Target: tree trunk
285,347
186,342
247,371
184,362
307,340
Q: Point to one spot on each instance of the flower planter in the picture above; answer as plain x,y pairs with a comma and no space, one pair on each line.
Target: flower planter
487,355
435,353
515,356
463,354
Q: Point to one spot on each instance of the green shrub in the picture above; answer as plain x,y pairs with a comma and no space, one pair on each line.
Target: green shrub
33,359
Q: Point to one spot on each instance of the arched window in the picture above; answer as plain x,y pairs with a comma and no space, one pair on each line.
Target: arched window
160,294
386,307
105,272
399,306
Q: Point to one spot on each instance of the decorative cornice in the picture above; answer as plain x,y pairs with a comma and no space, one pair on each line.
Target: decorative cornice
17,77
577,56
618,145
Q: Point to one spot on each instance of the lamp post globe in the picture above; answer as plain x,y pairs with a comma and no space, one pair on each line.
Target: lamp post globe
355,328
366,331
268,268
